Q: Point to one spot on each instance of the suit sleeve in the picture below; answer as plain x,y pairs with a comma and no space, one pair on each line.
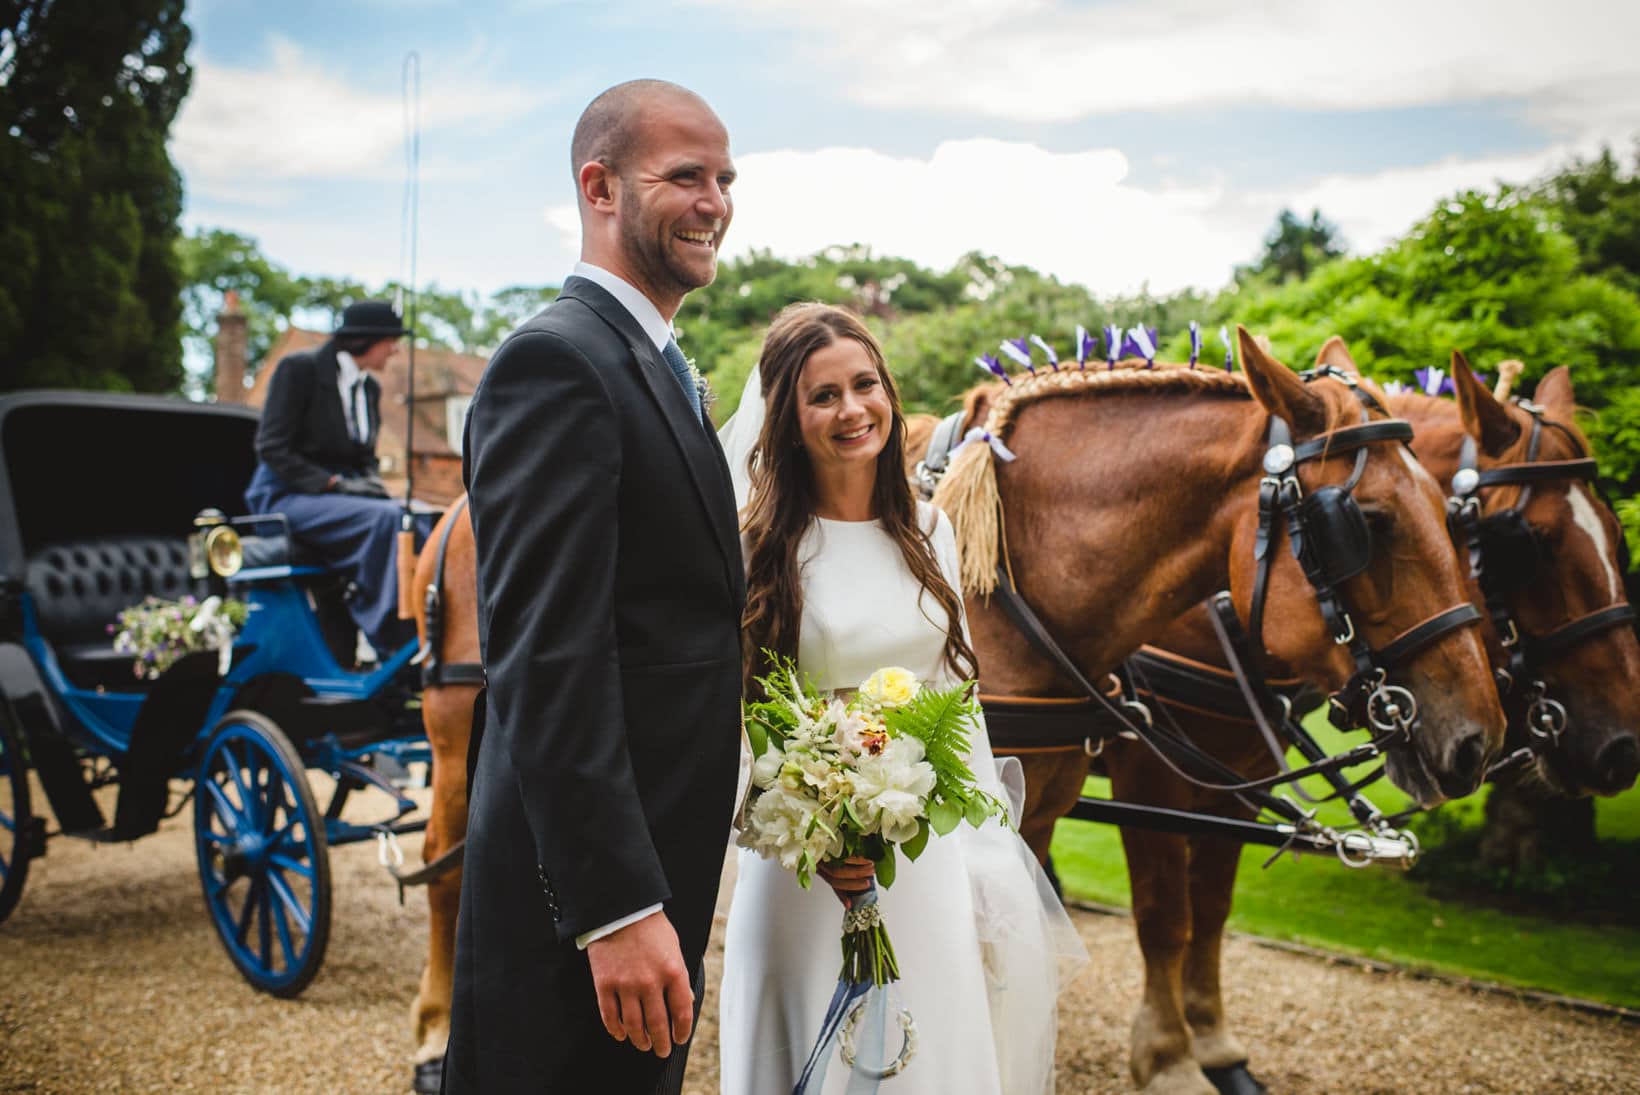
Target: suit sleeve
290,394
544,474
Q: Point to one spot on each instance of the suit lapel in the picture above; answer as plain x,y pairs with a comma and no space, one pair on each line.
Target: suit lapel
702,456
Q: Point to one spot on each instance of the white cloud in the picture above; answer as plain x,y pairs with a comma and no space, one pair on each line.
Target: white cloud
1054,60
1375,208
1075,215
243,132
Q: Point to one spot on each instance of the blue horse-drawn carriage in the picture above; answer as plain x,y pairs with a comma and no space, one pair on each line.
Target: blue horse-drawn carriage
106,500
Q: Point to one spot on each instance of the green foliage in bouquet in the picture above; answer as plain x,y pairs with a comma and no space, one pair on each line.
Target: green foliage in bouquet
865,797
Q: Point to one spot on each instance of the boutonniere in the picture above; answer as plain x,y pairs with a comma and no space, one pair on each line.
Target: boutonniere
702,385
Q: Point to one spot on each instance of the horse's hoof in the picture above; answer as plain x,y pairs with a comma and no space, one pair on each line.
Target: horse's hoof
1234,1080
430,1075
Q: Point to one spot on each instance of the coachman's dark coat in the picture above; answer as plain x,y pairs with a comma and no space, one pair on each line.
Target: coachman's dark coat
610,594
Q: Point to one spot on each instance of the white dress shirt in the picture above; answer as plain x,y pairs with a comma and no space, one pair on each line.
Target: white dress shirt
659,331
355,411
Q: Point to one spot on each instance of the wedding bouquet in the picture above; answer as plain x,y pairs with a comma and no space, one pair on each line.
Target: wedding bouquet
861,776
158,632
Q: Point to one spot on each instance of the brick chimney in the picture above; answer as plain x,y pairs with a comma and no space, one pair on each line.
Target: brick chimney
230,351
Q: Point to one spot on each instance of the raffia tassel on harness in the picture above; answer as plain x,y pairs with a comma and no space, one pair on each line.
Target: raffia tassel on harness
968,495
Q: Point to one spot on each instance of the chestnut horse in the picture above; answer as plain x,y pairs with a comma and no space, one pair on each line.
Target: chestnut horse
1182,887
1169,518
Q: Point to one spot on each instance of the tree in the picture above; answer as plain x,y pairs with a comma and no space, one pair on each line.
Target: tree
213,262
1598,205
1293,248
90,294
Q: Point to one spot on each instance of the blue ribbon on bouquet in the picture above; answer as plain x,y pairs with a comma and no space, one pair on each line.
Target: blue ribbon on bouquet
848,995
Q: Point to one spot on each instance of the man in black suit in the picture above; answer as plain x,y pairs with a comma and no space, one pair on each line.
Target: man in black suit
316,447
610,595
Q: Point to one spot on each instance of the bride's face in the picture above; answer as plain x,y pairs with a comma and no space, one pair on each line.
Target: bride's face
843,410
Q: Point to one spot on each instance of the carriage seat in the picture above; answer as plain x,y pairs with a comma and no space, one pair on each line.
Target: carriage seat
79,587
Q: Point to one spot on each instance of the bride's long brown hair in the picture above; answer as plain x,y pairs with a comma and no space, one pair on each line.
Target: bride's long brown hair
782,501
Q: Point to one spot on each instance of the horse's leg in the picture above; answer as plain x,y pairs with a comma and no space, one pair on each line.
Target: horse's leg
1053,783
448,713
1159,874
1213,862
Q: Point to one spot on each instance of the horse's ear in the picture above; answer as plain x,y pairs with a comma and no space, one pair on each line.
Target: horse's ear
1336,354
1554,394
1279,390
976,405
1484,418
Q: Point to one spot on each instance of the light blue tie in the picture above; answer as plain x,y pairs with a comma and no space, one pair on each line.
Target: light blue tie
680,369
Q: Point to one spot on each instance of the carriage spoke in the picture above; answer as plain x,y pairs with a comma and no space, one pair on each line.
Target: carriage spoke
272,800
282,890
285,862
246,796
225,810
285,944
264,931
242,929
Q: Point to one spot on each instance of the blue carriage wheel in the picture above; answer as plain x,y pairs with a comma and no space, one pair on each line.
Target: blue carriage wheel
15,820
263,861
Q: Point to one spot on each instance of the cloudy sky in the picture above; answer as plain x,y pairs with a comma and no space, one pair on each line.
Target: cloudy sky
1110,142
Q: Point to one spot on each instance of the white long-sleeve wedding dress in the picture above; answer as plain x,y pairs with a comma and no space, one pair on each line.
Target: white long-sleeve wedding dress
982,943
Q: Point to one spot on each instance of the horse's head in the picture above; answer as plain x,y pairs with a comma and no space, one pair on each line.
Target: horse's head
1372,522
1550,557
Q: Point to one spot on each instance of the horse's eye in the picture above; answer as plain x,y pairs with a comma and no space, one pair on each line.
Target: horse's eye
1380,522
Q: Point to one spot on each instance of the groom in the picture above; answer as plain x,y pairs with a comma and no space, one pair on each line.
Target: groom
610,595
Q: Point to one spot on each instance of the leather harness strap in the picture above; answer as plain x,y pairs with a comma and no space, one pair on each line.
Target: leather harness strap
434,670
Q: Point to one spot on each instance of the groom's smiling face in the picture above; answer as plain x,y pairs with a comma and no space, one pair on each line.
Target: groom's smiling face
675,203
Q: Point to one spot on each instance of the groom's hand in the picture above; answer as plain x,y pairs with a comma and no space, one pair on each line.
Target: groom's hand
643,988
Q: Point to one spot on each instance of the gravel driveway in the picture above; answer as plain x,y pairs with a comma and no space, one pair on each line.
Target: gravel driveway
111,979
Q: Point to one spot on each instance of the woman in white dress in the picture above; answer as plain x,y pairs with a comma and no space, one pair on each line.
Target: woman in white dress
848,573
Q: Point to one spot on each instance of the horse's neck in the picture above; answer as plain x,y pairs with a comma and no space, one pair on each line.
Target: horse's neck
1121,517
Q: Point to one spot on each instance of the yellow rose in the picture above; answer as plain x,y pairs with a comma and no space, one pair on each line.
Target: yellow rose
889,687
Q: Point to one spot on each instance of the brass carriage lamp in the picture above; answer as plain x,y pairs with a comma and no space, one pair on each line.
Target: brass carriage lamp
214,547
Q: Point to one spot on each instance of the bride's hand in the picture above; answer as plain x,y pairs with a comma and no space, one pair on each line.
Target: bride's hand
848,878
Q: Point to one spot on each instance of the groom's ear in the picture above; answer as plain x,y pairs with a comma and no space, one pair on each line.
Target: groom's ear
598,186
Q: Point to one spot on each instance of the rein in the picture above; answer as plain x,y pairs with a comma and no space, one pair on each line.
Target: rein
1508,531
1329,537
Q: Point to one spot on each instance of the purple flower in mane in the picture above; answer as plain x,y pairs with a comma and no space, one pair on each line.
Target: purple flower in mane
1020,350
1113,344
1195,343
1086,346
1140,342
1229,350
1434,381
1053,358
993,366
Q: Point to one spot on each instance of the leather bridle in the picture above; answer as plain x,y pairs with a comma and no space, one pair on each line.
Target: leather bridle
1332,542
1505,554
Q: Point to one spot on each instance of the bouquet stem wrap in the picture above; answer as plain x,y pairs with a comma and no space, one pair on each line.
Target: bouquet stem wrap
869,966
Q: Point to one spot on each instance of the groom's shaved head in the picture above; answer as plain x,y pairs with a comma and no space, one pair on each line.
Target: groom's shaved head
608,128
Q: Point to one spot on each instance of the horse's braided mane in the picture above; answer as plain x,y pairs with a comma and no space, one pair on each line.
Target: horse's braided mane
968,492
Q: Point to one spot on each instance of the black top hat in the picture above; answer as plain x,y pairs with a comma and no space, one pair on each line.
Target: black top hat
371,317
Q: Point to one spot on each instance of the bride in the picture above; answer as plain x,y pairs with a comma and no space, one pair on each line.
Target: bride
847,573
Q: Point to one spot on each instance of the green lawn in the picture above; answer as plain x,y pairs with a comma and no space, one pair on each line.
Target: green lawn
1382,914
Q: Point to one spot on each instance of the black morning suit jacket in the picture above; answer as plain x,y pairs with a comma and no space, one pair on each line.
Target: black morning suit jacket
303,437
610,595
